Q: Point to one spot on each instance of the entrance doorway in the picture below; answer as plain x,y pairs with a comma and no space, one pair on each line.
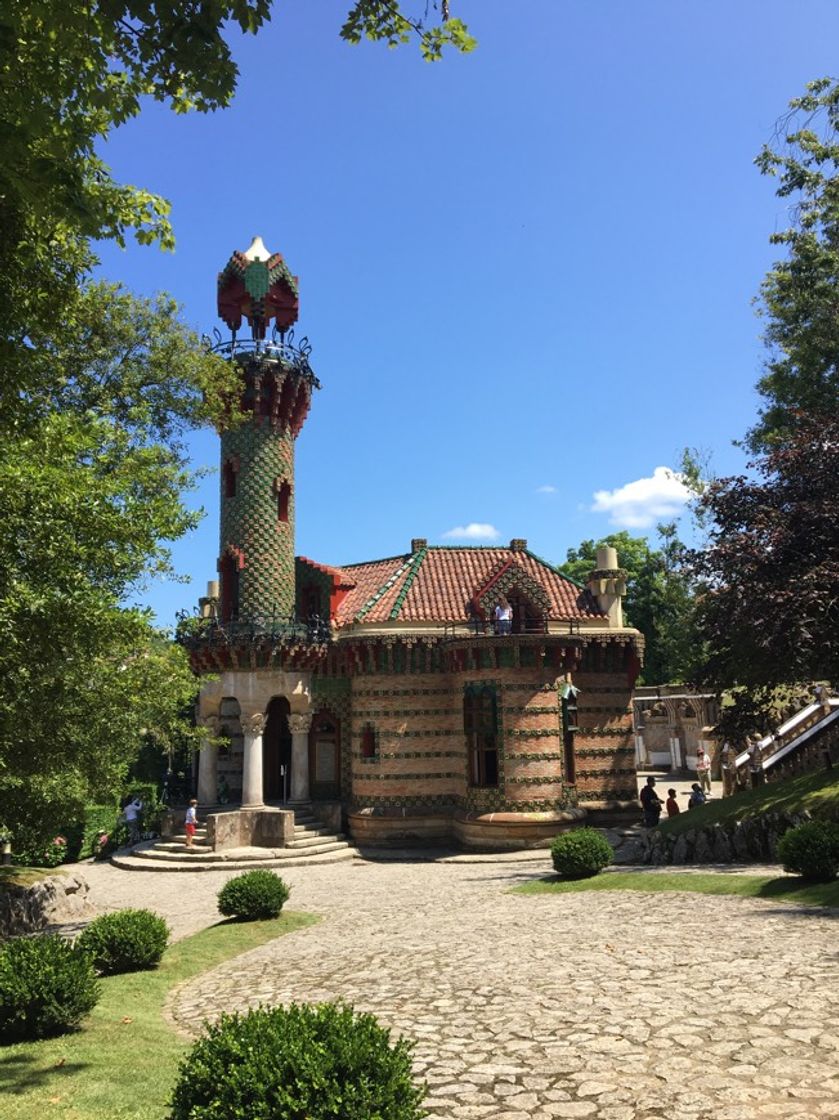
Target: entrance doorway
276,751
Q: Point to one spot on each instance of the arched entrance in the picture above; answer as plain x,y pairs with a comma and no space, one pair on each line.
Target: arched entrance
276,751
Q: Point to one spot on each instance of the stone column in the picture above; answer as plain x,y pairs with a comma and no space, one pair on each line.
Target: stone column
252,728
299,724
208,763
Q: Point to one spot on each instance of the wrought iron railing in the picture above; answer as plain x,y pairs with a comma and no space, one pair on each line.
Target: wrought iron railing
280,347
488,627
194,630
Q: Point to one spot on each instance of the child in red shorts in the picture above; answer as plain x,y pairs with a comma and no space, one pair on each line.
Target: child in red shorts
190,822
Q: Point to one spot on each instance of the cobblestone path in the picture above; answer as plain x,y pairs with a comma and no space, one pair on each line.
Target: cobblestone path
611,1006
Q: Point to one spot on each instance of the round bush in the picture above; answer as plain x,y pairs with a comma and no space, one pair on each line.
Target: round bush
811,850
581,853
47,986
253,895
320,1062
127,941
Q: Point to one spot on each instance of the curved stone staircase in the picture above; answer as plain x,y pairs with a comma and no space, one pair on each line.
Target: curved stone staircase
313,843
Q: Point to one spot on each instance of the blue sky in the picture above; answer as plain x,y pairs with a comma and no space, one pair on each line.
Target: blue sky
527,274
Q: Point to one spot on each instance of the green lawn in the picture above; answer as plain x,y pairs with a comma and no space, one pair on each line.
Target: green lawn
787,887
122,1064
817,792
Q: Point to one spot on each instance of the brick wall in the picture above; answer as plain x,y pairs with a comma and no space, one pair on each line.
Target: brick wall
604,746
421,749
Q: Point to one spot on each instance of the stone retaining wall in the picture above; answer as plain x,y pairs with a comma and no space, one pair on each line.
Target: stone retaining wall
59,897
738,842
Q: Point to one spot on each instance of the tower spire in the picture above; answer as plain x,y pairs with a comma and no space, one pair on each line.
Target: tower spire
257,285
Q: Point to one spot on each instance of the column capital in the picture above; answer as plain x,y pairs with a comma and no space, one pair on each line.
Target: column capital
254,724
299,723
210,724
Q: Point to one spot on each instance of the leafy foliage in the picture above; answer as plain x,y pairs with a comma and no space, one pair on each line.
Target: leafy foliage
800,294
50,854
46,987
90,492
320,1062
127,941
384,21
769,611
581,853
253,895
659,597
811,850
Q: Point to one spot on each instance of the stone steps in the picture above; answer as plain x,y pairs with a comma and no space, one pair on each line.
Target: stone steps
316,839
312,842
134,862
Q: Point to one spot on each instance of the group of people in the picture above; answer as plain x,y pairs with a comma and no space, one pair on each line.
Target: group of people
652,804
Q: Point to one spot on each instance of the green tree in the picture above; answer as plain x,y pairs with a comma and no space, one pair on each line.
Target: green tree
769,610
97,387
659,597
70,72
799,297
90,494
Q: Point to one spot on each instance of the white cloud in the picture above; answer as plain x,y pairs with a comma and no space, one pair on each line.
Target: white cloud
642,503
546,489
474,531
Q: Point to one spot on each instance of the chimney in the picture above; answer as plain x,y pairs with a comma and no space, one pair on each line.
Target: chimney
208,604
419,542
607,583
518,544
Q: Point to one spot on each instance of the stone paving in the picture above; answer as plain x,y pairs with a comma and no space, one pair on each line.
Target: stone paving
611,1006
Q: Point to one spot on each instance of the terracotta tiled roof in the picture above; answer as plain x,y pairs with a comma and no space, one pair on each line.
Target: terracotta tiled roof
439,584
339,575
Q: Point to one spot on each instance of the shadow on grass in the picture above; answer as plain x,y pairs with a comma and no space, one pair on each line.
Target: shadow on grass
20,1072
803,893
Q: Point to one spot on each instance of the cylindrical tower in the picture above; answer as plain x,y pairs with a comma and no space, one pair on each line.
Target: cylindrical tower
256,555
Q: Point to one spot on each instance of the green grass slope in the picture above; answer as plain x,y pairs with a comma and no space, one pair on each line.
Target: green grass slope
816,792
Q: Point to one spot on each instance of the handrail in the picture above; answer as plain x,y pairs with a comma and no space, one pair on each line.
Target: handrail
487,627
194,629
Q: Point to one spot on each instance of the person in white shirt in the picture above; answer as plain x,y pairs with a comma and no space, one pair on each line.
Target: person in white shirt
703,769
503,617
190,822
131,813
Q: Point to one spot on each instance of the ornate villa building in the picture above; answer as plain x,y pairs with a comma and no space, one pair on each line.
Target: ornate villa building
387,693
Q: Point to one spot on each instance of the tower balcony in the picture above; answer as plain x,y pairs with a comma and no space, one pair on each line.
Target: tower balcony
257,641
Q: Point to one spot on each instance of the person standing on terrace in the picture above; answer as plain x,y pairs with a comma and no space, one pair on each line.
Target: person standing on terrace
503,617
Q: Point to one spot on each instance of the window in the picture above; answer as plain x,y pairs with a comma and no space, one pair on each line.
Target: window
283,499
480,724
229,479
568,694
369,745
229,588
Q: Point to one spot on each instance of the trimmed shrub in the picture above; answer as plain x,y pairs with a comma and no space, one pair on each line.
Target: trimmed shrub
320,1062
127,941
811,850
47,986
253,895
581,853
